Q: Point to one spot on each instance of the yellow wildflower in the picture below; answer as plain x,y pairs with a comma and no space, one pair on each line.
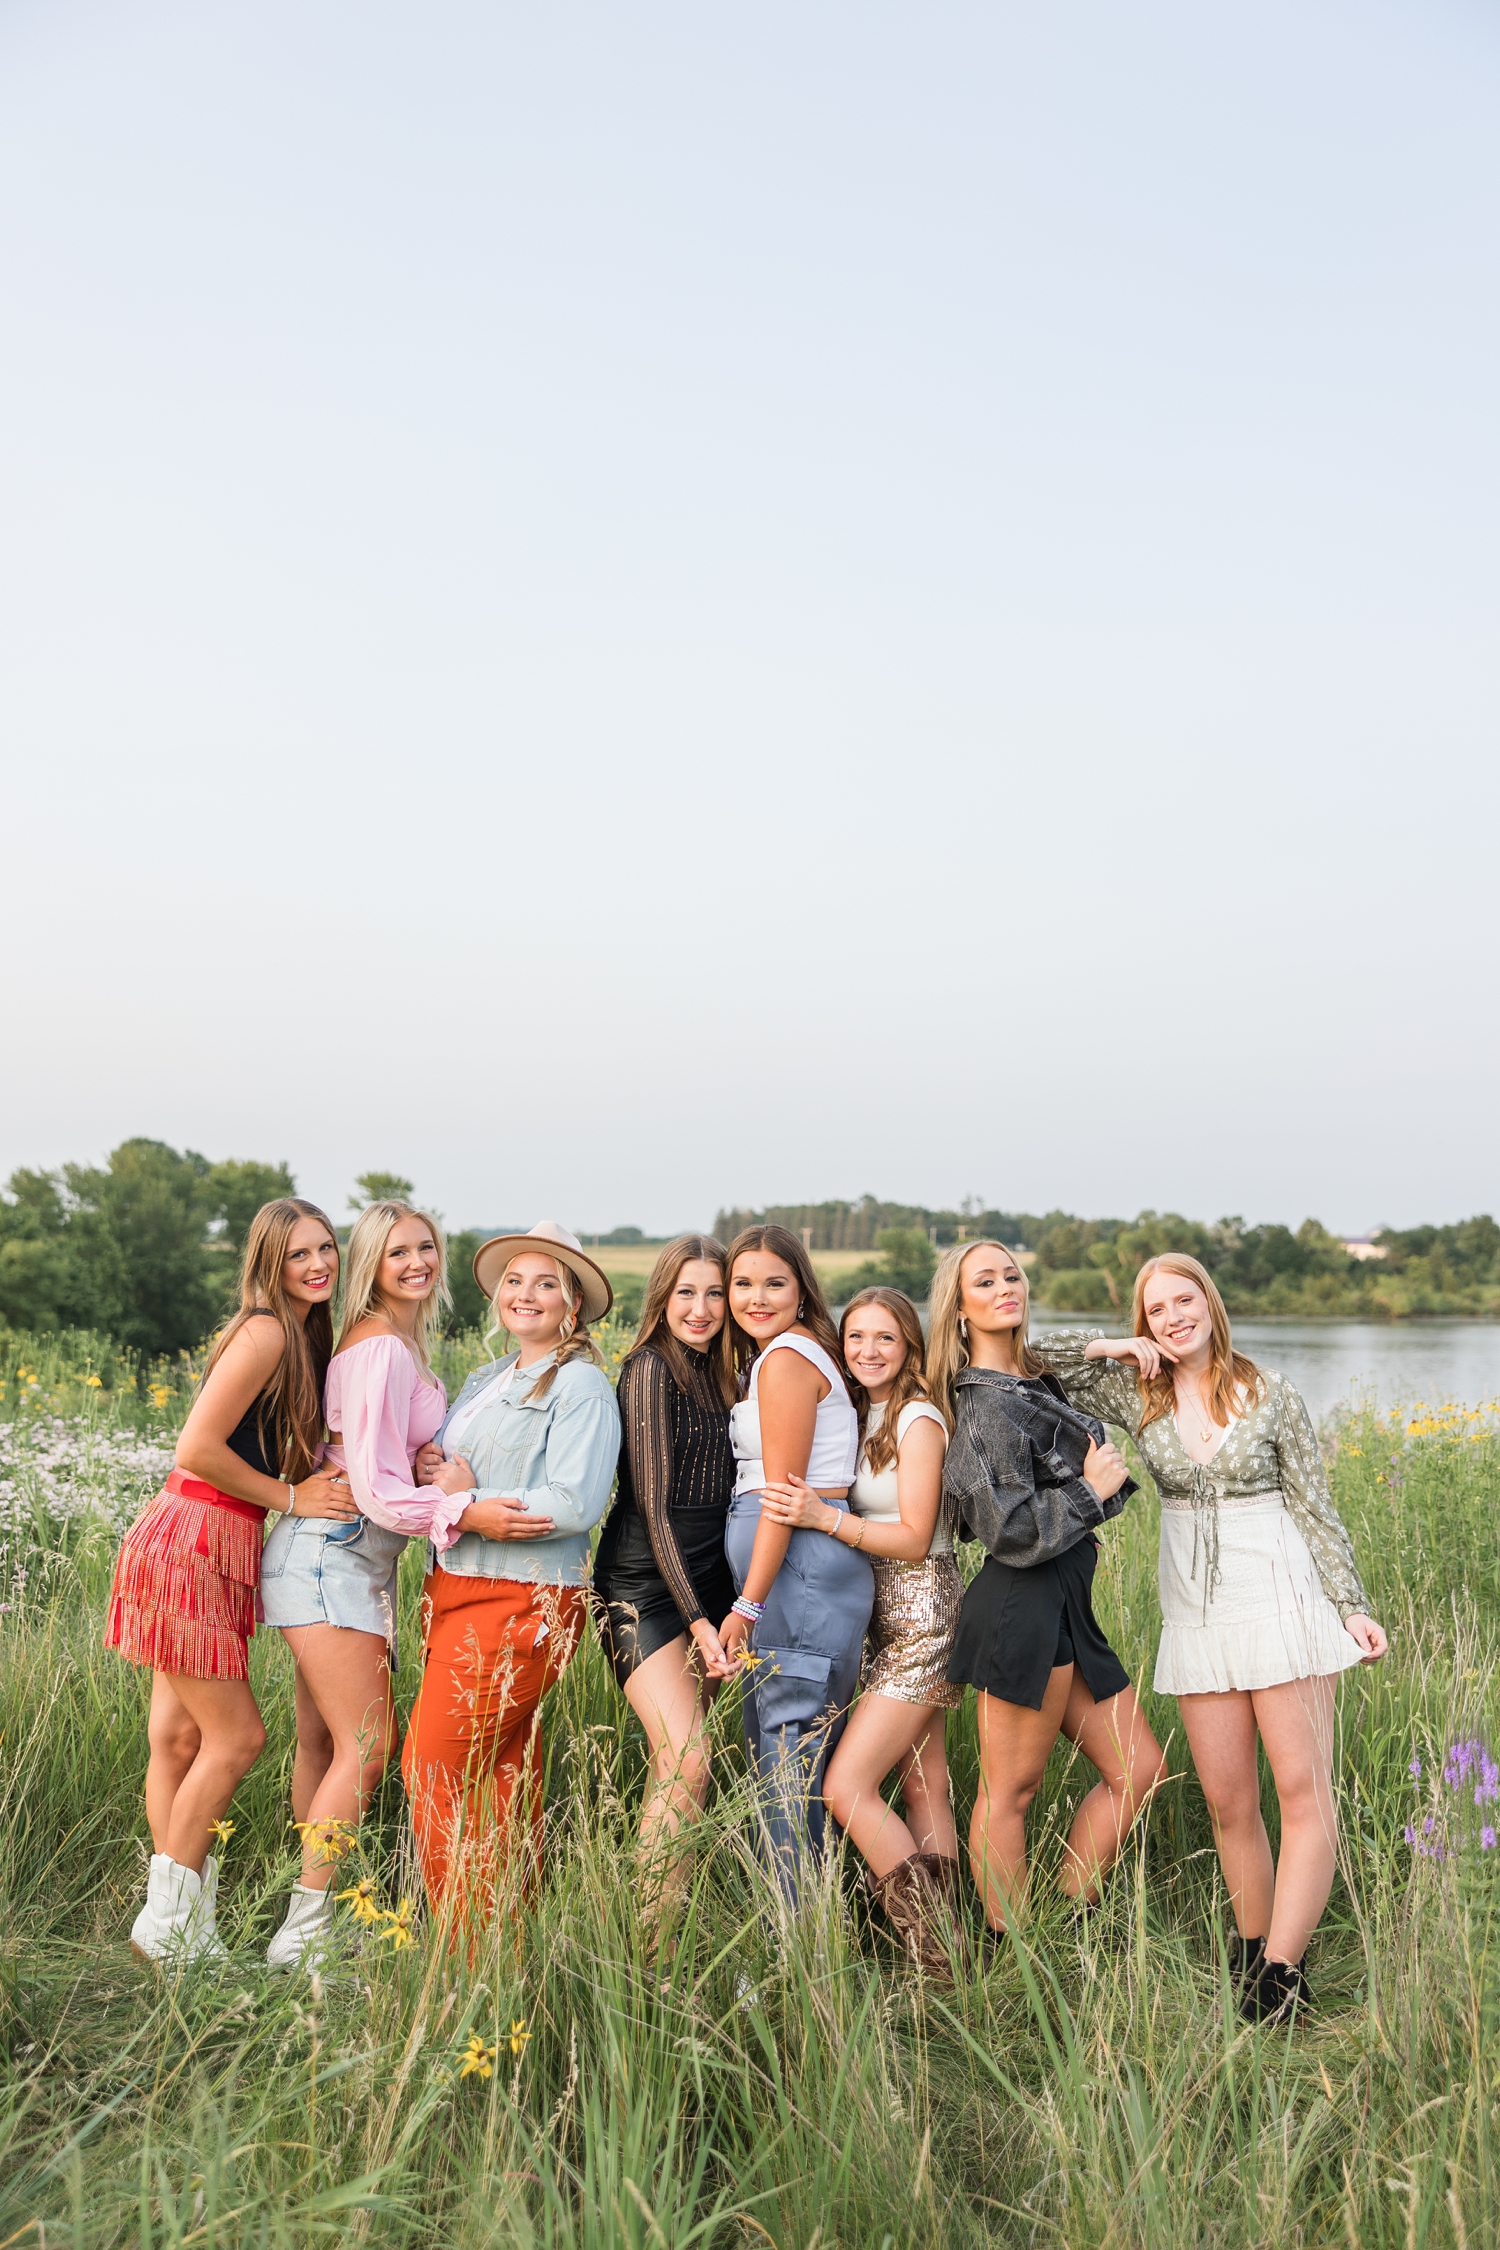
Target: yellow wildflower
330,1838
361,1897
400,1931
479,2062
223,1829
94,1383
518,2035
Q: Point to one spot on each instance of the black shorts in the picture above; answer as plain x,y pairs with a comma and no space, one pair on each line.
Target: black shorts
633,1605
1016,1626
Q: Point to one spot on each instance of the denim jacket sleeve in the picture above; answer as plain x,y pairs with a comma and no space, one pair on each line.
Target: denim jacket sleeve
990,1480
583,1442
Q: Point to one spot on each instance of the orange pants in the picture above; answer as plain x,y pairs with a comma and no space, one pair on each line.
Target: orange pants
474,1745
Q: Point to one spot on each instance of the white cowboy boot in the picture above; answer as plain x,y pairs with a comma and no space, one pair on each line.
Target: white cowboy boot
146,1929
300,1941
185,1929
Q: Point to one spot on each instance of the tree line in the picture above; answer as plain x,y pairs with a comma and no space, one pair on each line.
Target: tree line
146,1247
1090,1265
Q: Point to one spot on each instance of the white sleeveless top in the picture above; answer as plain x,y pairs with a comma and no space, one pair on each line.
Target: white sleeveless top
830,1466
875,1497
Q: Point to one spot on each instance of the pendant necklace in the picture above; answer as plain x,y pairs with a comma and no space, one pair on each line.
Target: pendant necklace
1205,1434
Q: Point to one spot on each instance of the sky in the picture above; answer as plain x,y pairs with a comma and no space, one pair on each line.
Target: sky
630,609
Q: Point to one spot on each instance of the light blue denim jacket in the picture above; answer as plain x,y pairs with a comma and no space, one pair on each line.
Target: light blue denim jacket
558,1453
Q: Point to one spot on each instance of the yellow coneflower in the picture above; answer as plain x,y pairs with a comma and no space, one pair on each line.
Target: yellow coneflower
362,1901
400,1930
479,2062
518,2035
222,1829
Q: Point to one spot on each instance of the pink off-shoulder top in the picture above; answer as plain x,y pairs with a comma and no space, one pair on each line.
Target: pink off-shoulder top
383,1408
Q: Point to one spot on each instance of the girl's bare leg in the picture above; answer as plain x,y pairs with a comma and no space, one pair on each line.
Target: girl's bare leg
1221,1734
926,1790
882,1734
223,1716
1296,1726
1014,1746
1114,1737
345,1677
670,1697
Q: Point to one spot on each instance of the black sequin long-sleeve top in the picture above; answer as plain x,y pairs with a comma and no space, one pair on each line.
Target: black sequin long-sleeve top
676,1456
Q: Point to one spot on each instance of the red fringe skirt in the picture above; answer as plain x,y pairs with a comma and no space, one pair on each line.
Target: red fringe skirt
186,1594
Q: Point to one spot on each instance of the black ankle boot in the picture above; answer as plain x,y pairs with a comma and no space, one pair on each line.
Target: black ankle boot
1276,1993
1245,1956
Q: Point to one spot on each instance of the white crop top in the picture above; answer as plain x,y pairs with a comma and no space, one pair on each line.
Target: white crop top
875,1497
830,1466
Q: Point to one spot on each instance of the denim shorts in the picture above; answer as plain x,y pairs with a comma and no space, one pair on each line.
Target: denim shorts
314,1571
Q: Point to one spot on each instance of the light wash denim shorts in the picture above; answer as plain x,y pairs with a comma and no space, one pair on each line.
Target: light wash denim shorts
314,1571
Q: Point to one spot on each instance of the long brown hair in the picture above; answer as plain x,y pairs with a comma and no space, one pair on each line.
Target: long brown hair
911,1376
367,1240
575,1342
780,1242
947,1345
1229,1370
653,1334
291,1405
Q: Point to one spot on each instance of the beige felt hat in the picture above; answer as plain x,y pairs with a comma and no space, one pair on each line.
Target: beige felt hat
492,1258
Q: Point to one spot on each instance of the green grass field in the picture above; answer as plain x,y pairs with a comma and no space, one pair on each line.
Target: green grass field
791,2084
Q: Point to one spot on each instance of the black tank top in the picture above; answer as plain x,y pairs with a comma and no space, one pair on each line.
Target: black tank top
245,1438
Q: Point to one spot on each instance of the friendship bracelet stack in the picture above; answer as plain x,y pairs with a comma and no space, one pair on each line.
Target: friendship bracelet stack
744,1607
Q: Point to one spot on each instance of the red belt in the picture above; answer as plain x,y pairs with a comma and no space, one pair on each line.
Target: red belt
193,1488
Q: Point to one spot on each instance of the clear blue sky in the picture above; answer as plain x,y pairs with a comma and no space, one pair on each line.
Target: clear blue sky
626,608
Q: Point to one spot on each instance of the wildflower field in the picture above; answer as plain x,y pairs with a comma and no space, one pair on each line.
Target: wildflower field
795,2085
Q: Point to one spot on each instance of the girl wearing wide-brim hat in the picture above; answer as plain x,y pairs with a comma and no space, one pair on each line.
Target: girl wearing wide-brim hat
533,1438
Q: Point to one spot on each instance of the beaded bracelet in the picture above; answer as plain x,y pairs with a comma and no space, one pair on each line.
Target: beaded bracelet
744,1607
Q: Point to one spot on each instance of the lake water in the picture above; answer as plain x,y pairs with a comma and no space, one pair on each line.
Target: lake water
1327,1359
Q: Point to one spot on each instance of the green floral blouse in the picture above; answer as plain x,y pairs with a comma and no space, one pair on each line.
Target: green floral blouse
1270,1448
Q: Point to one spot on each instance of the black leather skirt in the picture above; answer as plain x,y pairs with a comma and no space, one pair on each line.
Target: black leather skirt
1017,1626
633,1605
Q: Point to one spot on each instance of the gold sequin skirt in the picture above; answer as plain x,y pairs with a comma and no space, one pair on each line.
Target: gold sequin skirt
911,1631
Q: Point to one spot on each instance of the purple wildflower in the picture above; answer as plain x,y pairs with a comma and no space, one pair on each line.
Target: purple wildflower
1410,1834
1486,1839
1415,1769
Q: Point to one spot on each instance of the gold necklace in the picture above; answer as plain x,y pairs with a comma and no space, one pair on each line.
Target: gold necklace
1205,1434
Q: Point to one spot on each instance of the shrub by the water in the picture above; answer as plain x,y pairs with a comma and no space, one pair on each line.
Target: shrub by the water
766,2082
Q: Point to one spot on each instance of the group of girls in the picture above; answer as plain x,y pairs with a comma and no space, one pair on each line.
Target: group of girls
788,1501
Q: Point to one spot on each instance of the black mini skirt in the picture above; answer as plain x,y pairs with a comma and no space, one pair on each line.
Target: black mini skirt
633,1606
1016,1626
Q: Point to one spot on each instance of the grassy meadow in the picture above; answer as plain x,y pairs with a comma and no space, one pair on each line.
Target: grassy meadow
770,2082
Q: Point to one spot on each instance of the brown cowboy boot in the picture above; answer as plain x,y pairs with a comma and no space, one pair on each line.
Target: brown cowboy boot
914,1907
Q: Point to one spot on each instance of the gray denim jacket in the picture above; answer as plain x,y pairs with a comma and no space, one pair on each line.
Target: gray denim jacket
557,1452
1013,1476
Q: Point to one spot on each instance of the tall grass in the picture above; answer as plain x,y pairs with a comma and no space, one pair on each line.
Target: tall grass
770,2080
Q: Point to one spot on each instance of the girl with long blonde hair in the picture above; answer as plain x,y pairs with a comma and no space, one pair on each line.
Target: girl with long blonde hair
1033,1479
897,1725
529,1452
331,1588
184,1595
1262,1605
661,1579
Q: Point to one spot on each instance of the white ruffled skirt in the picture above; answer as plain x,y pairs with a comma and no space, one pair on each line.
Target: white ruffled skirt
1263,1618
